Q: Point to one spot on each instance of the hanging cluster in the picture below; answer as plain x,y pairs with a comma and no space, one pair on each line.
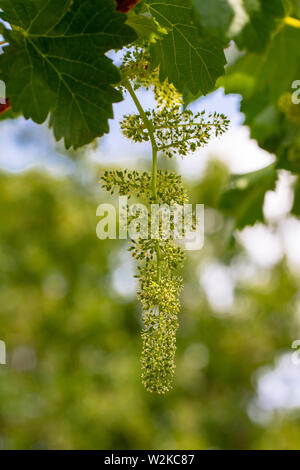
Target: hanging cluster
171,131
160,302
170,189
136,67
159,284
177,133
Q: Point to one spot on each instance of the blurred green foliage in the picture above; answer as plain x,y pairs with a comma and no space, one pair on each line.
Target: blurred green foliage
72,379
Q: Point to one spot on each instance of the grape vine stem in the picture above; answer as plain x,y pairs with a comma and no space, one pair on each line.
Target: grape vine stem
148,125
294,22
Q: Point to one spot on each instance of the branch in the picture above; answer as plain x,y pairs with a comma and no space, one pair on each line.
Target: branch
290,21
149,127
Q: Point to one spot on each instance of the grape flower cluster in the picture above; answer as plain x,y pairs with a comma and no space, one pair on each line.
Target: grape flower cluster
171,131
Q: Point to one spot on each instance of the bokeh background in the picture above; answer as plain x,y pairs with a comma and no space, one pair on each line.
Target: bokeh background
71,322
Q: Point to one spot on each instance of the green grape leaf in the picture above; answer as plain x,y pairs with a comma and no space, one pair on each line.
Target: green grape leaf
225,19
250,23
55,63
292,7
282,61
244,196
257,32
144,26
276,128
215,16
187,57
287,146
255,74
268,85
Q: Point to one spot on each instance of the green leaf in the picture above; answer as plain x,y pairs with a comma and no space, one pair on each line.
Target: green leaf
215,16
187,57
250,23
225,19
292,7
144,26
55,63
34,16
282,62
245,195
257,72
262,23
263,119
241,77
